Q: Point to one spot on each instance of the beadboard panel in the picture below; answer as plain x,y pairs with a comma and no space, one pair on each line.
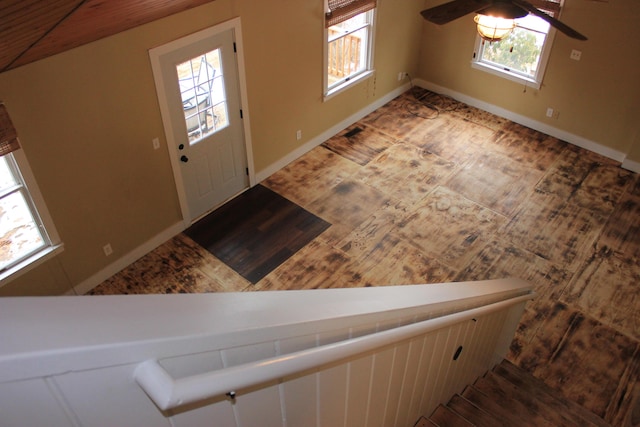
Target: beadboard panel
16,405
392,385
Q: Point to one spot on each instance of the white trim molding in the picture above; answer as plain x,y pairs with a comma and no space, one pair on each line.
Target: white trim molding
128,259
631,165
576,140
155,56
332,131
113,268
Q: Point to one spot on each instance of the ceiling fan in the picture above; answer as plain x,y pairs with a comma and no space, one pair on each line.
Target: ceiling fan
504,9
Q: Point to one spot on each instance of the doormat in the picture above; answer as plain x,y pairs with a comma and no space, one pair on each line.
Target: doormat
256,232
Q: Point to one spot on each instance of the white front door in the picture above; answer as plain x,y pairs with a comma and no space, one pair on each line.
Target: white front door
197,80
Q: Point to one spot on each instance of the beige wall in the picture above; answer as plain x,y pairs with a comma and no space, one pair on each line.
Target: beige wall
598,98
86,119
634,153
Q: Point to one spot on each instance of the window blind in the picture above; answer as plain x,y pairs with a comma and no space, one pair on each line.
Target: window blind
550,7
8,135
340,10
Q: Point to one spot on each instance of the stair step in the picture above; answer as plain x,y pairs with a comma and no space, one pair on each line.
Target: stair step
473,413
498,408
550,397
446,417
521,401
424,422
509,396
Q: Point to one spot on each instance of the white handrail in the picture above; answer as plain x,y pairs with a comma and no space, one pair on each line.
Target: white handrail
168,393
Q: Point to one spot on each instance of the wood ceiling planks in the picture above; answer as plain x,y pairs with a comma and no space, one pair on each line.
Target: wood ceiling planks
24,22
31,30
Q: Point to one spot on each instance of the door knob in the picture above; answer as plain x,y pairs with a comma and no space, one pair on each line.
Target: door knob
184,159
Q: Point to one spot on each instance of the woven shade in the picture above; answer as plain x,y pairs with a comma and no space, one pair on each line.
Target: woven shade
551,7
341,10
8,135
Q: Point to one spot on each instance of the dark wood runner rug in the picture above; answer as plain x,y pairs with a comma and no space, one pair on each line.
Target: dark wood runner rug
256,232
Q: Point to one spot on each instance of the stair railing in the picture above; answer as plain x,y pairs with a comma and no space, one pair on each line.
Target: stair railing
346,356
168,393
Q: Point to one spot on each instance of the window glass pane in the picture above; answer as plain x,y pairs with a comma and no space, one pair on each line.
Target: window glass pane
19,233
347,48
7,179
203,97
519,52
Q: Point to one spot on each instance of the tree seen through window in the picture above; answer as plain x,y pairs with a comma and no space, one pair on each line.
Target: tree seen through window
521,56
519,51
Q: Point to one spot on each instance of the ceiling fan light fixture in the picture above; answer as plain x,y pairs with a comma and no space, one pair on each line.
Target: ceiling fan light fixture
492,28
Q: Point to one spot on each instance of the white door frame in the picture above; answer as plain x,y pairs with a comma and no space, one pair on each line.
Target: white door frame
155,54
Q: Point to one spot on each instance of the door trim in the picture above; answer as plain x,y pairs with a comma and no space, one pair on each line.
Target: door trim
155,54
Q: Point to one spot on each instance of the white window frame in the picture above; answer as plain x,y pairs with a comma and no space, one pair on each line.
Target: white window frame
535,81
367,71
39,211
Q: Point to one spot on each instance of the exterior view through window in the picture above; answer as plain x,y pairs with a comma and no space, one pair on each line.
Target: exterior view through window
21,230
348,49
203,98
521,56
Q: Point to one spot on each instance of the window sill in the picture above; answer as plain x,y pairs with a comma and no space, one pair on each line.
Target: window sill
346,85
29,263
500,72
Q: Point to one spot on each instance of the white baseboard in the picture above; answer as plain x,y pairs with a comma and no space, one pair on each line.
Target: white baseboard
526,121
113,268
631,165
314,142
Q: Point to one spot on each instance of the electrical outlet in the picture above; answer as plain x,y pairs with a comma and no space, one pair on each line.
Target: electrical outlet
298,135
401,75
107,249
575,55
156,143
549,112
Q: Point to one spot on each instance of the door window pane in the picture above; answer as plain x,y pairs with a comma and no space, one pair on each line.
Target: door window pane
203,97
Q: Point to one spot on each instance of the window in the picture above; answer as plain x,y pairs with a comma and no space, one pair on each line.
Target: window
203,98
24,238
349,34
522,56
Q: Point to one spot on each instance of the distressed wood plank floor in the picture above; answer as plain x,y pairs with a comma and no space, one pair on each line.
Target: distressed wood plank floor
425,195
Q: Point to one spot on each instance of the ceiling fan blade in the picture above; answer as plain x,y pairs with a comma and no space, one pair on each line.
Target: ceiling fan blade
552,21
455,9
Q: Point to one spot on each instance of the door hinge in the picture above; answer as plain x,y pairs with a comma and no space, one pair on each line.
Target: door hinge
247,169
234,47
241,115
